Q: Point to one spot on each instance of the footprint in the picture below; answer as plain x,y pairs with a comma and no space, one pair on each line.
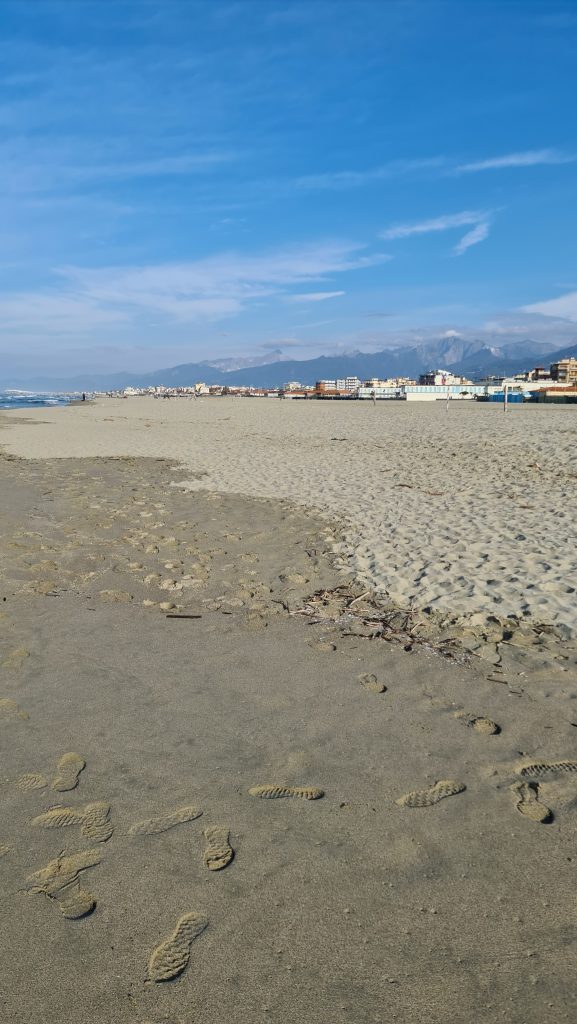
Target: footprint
95,822
10,709
371,683
16,658
59,817
31,780
527,802
219,852
171,957
278,792
62,871
68,769
74,903
291,577
533,771
152,826
482,725
116,596
428,797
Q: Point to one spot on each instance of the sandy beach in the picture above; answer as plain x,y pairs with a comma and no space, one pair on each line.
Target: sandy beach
221,607
465,510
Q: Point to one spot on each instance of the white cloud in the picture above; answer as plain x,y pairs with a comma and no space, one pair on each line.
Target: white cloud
529,158
452,220
218,285
473,237
338,180
478,219
167,165
202,290
564,306
312,296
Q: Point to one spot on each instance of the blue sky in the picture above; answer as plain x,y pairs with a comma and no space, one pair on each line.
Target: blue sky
183,181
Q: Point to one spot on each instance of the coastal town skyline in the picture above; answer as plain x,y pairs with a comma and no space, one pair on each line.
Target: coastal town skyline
229,180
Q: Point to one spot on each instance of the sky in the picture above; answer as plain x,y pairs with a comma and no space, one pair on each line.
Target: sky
183,181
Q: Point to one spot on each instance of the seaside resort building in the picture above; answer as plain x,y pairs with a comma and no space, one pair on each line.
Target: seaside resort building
565,371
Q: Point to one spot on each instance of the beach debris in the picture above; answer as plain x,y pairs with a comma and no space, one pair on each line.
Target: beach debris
528,803
173,615
219,852
171,957
68,770
428,797
280,792
357,611
152,826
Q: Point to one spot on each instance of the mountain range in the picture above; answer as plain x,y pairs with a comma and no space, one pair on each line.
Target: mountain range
472,359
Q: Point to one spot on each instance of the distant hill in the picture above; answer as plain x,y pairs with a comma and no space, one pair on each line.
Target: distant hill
470,358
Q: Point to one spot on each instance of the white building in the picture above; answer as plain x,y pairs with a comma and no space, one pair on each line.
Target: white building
442,377
424,392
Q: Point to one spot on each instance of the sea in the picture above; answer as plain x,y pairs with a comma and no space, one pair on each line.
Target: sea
12,399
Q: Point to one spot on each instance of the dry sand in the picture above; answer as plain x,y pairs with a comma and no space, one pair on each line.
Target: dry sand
464,511
433,882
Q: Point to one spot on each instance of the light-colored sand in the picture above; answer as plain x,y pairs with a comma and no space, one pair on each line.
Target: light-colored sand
467,510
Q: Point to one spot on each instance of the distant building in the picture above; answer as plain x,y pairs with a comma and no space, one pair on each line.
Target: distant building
565,371
390,382
442,377
340,384
537,373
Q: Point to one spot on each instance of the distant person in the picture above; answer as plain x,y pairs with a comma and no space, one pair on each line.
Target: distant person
84,396
374,397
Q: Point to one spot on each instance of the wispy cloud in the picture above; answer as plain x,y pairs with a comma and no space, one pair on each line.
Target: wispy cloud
529,158
473,237
56,167
207,289
310,325
185,163
564,306
423,227
479,220
312,296
340,180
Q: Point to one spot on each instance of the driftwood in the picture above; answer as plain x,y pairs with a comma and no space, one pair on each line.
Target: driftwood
365,614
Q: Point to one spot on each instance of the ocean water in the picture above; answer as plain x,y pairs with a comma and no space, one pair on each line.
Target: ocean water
31,399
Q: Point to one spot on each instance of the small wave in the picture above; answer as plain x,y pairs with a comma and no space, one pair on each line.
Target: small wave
31,400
